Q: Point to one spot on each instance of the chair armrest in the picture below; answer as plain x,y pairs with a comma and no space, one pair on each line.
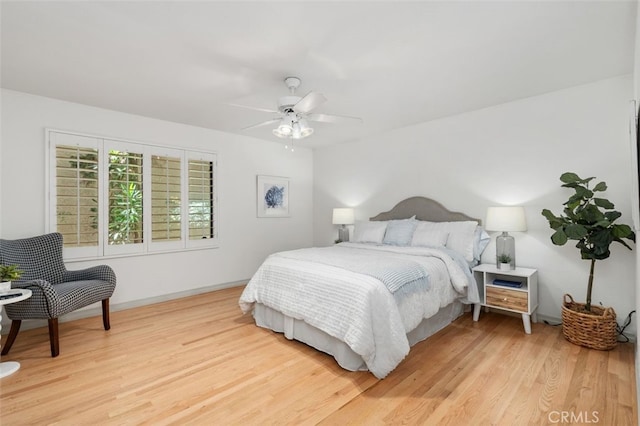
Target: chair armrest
100,272
46,286
43,294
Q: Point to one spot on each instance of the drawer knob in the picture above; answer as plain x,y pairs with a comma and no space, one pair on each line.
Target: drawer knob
505,299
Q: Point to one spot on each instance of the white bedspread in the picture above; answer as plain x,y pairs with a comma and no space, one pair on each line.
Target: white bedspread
356,308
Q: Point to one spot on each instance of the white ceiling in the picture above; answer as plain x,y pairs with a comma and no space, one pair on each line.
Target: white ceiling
392,63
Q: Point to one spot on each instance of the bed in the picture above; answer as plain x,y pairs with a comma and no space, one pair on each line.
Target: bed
405,276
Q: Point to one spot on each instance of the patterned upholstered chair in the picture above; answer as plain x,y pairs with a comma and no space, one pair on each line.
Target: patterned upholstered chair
55,291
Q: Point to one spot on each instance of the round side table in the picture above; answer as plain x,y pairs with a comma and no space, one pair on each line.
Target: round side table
7,368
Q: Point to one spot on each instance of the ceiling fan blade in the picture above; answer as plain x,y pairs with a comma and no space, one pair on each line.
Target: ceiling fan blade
264,123
311,101
328,118
254,108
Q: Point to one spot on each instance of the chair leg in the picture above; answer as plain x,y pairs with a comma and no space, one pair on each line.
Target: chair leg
105,314
13,333
53,337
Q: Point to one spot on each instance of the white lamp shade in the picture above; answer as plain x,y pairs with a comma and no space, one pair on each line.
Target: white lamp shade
343,216
506,219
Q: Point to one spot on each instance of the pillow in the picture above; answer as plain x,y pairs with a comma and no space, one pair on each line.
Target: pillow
460,235
480,242
400,232
430,235
369,232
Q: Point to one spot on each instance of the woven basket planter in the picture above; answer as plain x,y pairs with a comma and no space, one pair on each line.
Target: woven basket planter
595,331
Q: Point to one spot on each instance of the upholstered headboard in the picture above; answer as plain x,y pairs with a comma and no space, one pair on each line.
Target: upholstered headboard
424,209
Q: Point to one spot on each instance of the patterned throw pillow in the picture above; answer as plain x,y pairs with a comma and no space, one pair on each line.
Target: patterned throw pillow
400,232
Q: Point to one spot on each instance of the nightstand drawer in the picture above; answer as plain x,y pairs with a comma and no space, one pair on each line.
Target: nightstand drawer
508,299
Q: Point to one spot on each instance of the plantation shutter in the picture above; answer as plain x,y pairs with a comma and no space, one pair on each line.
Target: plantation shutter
77,195
201,175
166,198
200,199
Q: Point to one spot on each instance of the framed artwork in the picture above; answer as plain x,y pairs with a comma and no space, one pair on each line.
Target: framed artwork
273,196
634,133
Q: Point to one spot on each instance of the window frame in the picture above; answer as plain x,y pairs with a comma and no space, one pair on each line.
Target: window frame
55,137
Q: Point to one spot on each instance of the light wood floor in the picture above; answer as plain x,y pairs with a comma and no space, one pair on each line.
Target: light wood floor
199,361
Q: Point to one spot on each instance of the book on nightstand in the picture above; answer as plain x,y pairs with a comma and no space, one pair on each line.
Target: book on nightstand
507,283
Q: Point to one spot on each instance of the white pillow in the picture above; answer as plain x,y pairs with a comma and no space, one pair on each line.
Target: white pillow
480,241
429,234
460,235
369,232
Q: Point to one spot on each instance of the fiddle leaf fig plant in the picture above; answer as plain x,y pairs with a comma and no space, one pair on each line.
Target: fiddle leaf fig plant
589,220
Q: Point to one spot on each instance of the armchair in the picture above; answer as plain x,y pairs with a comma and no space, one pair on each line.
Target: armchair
56,291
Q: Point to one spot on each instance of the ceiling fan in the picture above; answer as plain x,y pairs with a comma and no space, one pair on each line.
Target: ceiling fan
295,112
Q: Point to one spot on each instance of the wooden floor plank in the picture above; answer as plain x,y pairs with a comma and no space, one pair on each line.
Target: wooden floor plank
198,360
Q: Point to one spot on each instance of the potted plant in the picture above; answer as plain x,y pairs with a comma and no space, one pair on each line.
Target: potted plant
504,262
589,220
8,273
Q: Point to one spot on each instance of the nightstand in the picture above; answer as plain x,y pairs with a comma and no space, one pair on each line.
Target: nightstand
522,300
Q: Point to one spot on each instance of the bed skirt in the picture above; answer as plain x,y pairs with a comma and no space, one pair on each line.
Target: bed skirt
294,329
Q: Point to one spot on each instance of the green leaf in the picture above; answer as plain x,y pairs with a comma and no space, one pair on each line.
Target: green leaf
572,204
601,186
591,215
605,204
559,238
569,177
612,216
583,192
554,221
621,231
575,231
601,240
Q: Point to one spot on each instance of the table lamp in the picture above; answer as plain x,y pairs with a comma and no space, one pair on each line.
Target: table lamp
343,217
505,219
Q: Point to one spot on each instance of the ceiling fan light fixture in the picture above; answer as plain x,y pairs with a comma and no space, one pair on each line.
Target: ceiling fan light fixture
305,130
285,128
301,129
295,111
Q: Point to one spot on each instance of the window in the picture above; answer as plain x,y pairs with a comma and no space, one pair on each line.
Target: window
111,197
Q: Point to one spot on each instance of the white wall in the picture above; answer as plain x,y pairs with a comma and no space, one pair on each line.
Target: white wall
245,240
508,154
636,85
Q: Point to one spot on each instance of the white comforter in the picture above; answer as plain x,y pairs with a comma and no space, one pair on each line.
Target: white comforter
358,309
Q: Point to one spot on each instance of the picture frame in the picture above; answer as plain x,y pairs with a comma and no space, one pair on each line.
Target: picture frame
272,196
634,139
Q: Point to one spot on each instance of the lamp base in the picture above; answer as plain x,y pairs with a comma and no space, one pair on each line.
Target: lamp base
343,233
505,250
